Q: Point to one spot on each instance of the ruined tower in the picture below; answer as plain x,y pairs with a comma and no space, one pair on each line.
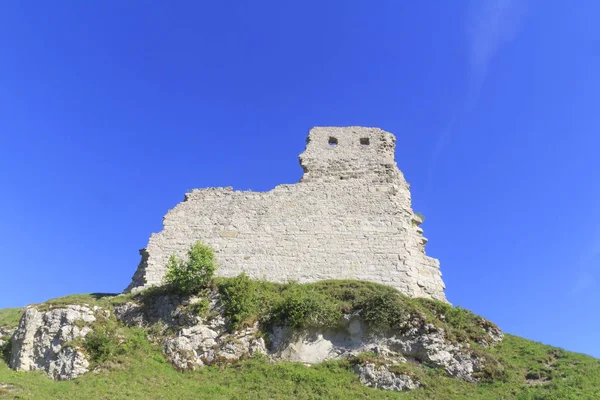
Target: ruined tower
349,217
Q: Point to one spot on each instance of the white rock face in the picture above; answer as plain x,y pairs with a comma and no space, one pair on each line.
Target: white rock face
381,378
199,345
349,217
197,341
424,343
40,341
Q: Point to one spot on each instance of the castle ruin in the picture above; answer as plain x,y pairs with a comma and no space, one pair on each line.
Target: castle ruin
349,217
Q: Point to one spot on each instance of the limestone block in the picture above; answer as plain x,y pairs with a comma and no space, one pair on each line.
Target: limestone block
41,342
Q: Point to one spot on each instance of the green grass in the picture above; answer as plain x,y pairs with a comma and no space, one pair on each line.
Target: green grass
9,317
143,373
91,299
130,367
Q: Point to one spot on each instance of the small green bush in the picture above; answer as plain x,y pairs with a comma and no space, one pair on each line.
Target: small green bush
102,344
193,275
240,299
302,307
386,311
109,340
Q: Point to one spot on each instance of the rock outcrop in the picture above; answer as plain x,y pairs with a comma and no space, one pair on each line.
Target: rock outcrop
380,377
424,344
350,217
199,341
52,340
42,341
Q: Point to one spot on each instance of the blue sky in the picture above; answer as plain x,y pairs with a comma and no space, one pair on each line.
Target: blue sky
110,111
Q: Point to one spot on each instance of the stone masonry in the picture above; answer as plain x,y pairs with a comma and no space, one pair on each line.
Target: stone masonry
349,217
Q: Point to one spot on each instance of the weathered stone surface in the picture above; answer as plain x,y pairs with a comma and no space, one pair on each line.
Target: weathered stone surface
131,314
199,345
428,344
381,378
494,333
168,309
424,343
41,341
190,341
5,334
197,341
349,217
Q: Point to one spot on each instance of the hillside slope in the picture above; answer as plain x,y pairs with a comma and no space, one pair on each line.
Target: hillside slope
128,362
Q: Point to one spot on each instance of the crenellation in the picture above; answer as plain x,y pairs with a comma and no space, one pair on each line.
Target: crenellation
350,216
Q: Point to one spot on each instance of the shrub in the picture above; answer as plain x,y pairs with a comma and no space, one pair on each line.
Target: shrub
240,299
108,340
386,311
193,275
302,307
102,344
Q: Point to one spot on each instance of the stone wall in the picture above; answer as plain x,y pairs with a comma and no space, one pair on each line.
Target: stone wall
349,217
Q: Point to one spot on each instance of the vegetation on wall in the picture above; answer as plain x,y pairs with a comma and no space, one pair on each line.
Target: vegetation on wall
193,274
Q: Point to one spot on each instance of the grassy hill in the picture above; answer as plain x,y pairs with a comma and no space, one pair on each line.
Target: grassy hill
528,370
